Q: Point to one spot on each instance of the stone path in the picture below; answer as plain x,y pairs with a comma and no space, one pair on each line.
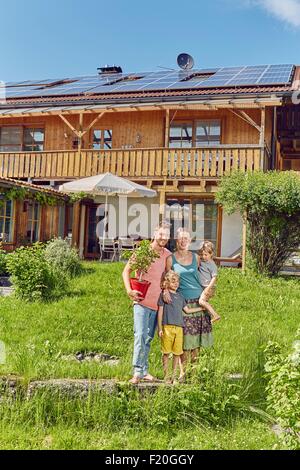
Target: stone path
72,388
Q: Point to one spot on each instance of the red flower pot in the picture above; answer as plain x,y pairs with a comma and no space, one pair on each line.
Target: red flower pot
140,286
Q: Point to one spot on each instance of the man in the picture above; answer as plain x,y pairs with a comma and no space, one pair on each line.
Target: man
145,311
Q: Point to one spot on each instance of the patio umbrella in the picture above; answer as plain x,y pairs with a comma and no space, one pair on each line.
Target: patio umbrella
107,185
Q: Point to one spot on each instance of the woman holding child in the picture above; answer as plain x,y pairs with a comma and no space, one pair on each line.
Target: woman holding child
197,327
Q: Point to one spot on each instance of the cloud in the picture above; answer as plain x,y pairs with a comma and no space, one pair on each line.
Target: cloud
287,11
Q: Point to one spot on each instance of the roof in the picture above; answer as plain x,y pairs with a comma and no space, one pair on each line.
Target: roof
9,182
66,92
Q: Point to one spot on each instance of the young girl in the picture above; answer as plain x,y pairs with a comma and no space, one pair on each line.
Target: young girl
208,273
170,324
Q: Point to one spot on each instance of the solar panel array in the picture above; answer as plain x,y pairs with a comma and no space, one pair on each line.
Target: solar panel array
163,80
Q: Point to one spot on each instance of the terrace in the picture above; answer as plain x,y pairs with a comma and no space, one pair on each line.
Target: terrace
139,164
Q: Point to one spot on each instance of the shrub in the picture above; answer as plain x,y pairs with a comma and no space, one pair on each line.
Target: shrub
271,204
283,391
33,277
63,257
141,257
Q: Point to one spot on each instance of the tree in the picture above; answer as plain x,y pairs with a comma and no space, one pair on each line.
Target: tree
271,204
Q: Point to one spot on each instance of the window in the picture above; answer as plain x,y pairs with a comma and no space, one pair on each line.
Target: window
181,135
199,216
18,138
33,139
33,221
195,134
6,221
208,133
11,139
204,220
102,139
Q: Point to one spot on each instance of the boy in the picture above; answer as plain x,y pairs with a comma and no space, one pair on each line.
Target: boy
208,273
170,325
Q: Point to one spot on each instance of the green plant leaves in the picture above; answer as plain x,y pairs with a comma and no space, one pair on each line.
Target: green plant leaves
271,202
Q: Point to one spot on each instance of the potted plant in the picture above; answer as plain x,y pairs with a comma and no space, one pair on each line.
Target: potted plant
140,260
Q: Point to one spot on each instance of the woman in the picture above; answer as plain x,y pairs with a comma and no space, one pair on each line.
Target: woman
197,328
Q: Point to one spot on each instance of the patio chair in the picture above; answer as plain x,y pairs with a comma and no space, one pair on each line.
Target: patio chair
108,246
126,243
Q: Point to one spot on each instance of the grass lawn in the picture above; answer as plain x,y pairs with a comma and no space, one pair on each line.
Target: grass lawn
97,316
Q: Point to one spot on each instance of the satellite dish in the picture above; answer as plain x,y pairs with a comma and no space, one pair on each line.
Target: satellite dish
185,61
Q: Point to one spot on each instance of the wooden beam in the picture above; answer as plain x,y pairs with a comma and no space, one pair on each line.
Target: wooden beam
76,224
69,125
245,117
262,137
82,231
262,127
219,230
162,202
167,128
197,189
80,132
251,121
93,123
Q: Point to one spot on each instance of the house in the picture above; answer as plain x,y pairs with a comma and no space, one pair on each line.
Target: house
30,213
175,131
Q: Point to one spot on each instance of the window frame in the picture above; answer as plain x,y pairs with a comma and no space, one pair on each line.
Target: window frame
182,123
194,123
102,138
34,221
11,218
34,129
191,199
22,143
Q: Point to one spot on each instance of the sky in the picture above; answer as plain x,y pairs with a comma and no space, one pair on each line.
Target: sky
66,38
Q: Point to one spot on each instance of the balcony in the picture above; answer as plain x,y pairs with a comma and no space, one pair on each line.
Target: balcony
137,164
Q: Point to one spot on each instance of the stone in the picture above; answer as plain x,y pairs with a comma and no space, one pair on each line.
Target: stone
93,356
75,388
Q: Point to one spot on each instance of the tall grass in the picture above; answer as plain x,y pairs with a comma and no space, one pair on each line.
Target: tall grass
96,315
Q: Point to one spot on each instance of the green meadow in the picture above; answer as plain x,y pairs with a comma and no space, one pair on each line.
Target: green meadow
222,405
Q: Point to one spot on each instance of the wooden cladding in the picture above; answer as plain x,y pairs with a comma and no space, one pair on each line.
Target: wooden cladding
158,163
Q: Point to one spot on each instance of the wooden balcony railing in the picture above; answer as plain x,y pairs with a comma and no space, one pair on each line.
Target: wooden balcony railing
208,162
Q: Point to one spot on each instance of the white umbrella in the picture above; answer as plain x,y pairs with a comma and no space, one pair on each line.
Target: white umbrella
106,185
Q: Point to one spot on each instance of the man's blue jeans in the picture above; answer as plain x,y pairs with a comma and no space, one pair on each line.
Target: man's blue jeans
145,321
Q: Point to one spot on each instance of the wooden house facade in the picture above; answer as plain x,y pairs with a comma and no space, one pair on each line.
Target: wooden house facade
29,219
177,142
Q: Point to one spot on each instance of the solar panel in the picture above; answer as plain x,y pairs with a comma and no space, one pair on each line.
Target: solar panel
252,75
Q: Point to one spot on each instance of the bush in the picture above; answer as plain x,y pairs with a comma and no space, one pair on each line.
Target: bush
32,276
61,256
283,391
271,204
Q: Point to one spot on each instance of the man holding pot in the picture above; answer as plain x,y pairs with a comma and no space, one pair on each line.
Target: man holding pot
145,310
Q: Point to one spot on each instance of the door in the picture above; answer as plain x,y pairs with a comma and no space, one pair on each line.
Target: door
91,249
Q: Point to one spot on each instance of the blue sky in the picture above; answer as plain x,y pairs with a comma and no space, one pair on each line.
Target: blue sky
63,38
